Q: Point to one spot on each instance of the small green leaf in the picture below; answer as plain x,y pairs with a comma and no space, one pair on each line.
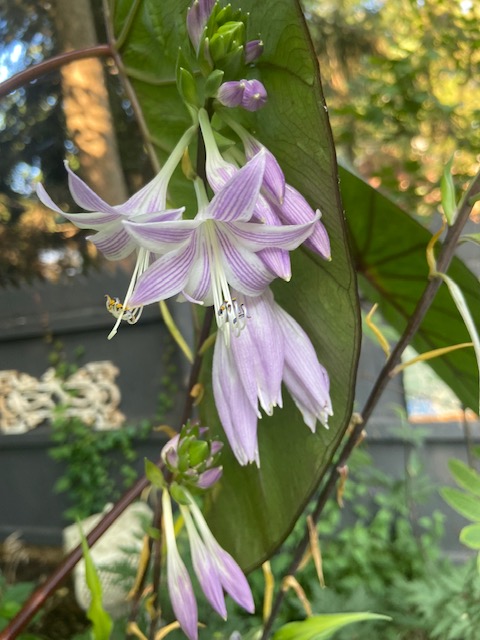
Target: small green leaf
470,536
464,476
154,533
322,627
466,505
101,620
447,189
470,237
187,88
154,475
213,82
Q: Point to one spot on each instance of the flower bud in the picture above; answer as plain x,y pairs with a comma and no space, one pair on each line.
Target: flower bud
254,95
197,18
253,50
230,93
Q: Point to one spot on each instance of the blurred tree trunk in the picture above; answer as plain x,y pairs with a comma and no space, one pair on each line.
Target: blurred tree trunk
86,105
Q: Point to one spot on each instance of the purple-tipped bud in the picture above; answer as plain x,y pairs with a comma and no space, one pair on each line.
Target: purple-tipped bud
231,93
197,18
253,50
215,447
254,95
249,94
208,478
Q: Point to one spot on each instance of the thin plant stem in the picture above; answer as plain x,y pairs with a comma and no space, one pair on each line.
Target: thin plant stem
444,259
51,64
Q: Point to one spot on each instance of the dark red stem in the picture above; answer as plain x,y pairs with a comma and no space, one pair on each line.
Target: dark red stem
40,69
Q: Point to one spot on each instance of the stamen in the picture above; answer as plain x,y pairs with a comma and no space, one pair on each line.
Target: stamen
234,315
123,311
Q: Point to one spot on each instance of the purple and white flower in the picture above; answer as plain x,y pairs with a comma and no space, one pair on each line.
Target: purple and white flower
179,584
287,205
273,347
227,571
111,237
204,257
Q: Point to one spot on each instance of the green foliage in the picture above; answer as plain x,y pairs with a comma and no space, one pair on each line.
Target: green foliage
322,627
12,597
466,502
101,620
445,604
267,502
94,462
401,81
384,559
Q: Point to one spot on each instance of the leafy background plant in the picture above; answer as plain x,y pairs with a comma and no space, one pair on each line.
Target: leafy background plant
97,465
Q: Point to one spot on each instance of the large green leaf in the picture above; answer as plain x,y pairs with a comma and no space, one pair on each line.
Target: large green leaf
253,510
389,252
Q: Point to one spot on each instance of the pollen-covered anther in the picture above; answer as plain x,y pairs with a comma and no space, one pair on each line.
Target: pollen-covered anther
235,314
122,312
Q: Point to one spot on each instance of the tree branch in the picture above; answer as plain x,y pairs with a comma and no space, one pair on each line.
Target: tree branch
36,71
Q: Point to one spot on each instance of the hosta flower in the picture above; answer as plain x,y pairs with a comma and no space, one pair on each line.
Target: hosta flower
277,203
215,569
111,238
204,257
272,348
179,584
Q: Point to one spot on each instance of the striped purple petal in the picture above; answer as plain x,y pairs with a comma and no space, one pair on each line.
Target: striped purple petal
199,282
305,378
245,271
254,236
230,94
238,418
162,237
205,567
84,196
236,200
115,243
296,210
231,576
166,277
277,261
92,220
179,584
261,376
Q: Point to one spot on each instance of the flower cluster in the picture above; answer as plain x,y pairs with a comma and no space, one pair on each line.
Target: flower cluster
223,54
228,254
191,462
